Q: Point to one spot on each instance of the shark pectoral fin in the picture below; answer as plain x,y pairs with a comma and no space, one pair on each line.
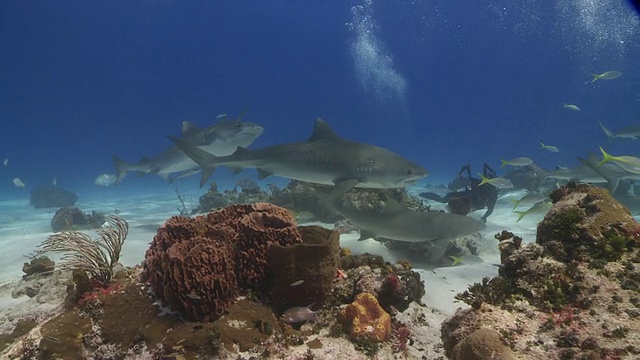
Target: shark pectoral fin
365,234
263,173
122,167
206,173
204,159
341,187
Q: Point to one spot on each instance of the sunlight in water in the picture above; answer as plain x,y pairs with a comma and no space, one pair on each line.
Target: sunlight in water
594,25
373,66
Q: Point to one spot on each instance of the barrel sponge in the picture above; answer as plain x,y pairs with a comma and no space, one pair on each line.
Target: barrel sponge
199,265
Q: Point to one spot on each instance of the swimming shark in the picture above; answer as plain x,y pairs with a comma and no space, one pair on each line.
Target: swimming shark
630,132
325,158
398,223
221,138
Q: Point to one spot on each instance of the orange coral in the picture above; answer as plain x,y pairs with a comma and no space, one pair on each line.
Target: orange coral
364,317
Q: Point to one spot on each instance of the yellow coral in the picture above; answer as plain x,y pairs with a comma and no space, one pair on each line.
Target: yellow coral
345,252
365,317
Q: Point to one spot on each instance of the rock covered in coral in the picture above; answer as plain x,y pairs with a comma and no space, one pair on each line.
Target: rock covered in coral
585,223
482,344
38,265
213,199
199,265
72,218
575,293
309,266
301,197
365,318
52,197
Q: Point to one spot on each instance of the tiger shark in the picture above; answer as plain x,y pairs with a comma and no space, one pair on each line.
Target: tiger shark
630,132
325,158
398,223
221,138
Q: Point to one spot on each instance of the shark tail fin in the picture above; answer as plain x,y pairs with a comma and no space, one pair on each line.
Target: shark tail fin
122,168
608,132
204,159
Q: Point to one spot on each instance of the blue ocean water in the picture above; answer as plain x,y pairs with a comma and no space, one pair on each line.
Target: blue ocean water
439,82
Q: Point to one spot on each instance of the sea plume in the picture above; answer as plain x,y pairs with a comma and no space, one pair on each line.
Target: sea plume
96,258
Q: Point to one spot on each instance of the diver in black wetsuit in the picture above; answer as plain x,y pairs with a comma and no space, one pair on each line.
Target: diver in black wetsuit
471,197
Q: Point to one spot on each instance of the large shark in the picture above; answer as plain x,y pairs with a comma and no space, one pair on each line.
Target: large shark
325,158
630,132
220,139
398,223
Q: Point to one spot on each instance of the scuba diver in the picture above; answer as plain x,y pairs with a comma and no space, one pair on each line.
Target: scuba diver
466,195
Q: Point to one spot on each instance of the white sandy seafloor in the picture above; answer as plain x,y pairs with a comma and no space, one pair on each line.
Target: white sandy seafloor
22,228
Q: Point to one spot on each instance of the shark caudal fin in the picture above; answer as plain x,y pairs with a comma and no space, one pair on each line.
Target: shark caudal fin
204,159
122,168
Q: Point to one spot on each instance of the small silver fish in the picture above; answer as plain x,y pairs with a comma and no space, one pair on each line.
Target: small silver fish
54,181
299,314
19,183
549,147
570,107
193,296
219,116
299,282
5,162
499,182
519,161
52,339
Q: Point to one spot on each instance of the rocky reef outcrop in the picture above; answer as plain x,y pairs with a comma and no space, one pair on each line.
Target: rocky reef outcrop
573,294
72,218
52,197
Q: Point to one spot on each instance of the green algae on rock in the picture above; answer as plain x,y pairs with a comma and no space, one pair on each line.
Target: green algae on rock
572,294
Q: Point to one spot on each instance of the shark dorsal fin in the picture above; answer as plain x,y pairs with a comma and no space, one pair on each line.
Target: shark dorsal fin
187,127
322,131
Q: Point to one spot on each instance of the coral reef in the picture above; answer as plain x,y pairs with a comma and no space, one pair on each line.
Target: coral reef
72,218
38,266
301,197
199,265
482,344
213,199
95,258
52,197
363,306
572,294
365,318
310,266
